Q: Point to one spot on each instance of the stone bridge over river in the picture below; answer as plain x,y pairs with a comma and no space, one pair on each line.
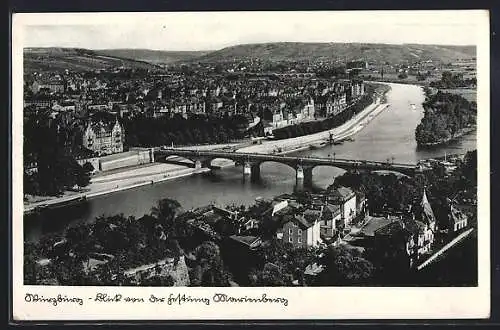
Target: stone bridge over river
303,165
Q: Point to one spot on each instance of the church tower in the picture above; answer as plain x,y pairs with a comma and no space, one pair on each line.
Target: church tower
426,212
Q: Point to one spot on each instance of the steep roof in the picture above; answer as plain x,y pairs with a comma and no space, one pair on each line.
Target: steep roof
331,210
376,224
456,215
341,194
394,229
427,214
249,241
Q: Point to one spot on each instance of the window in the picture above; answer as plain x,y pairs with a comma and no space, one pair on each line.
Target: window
290,240
290,231
299,239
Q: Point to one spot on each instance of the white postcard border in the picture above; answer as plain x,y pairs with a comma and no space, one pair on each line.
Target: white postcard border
302,303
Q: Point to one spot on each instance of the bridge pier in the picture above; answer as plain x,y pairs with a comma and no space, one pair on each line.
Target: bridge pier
200,163
251,170
255,175
303,175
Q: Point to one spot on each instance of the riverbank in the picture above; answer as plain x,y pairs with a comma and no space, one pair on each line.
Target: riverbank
116,182
458,135
346,130
155,173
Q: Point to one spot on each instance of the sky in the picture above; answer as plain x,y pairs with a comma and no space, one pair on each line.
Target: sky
216,30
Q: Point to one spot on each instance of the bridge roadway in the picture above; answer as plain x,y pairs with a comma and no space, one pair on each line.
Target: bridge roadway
302,165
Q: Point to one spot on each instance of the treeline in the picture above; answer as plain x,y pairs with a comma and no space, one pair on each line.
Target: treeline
49,148
450,80
198,129
319,126
446,115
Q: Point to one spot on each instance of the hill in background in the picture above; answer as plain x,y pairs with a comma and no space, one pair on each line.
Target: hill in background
75,59
153,56
296,51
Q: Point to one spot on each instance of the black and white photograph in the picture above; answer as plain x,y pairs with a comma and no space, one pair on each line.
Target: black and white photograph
292,151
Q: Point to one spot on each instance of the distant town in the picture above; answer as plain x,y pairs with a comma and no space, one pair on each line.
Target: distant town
91,132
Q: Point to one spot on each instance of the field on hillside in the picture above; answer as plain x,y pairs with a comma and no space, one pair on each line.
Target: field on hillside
58,59
468,93
153,56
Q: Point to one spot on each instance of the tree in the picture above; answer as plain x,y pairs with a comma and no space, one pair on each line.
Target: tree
88,167
80,241
208,253
209,270
82,177
271,275
158,281
165,212
403,75
345,266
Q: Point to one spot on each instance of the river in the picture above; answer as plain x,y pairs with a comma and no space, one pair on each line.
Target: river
388,136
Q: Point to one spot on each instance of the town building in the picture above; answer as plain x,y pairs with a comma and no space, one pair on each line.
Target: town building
346,199
331,220
53,84
458,220
308,111
302,229
406,239
104,138
39,102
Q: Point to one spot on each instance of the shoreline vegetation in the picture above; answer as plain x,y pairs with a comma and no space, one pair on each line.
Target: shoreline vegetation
447,117
449,112
284,146
454,137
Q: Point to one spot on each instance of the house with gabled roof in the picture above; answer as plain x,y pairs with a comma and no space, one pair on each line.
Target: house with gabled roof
346,199
458,220
301,228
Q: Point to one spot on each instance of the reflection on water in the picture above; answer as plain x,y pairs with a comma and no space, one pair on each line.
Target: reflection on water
389,136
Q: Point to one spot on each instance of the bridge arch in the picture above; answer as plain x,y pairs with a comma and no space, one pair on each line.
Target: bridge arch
176,159
219,161
286,164
395,172
327,169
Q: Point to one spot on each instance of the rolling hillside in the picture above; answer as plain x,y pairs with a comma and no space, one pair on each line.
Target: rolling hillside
153,56
286,51
75,59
